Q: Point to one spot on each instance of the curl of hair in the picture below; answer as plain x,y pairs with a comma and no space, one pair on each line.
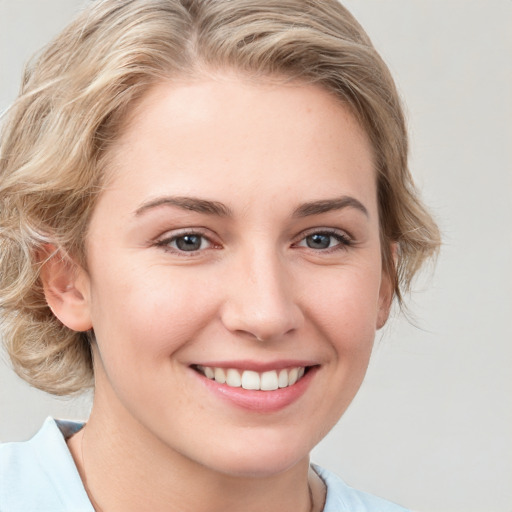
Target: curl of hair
76,94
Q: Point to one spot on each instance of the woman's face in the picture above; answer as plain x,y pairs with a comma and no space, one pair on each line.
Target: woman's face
238,238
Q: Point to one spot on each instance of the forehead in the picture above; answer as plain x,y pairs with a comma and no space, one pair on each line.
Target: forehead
226,134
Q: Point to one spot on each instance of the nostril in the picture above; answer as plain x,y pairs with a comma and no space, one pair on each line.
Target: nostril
264,309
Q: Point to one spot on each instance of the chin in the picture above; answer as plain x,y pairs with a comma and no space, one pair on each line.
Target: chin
260,460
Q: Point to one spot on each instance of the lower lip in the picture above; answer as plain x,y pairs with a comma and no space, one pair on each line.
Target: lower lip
260,401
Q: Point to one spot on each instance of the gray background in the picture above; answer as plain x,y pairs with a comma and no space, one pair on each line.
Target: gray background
432,425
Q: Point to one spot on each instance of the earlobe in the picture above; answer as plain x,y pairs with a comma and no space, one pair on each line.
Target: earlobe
65,286
387,289
385,301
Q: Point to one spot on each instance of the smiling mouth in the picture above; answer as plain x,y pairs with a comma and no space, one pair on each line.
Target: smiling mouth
251,380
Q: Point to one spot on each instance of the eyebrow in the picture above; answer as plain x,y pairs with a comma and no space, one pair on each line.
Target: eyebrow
328,205
187,203
221,210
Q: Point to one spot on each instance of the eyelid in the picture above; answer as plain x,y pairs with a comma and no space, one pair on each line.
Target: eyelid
325,231
166,238
345,239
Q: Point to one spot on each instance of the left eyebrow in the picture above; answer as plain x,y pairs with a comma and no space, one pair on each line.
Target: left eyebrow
328,205
194,204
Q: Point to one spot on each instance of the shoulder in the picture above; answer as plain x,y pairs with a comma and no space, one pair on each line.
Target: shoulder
343,498
40,474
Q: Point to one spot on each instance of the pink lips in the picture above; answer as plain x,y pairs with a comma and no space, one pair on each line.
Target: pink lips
256,400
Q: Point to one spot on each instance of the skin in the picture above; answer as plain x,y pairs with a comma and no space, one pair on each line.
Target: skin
254,291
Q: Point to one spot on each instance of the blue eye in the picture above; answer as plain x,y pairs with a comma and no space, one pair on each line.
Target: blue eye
324,240
187,242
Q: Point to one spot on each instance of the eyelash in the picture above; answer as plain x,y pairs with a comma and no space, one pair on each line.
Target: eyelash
344,241
165,243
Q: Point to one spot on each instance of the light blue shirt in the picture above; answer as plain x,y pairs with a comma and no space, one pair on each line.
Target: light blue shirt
40,476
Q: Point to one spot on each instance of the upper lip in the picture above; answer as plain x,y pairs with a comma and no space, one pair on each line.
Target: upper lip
258,366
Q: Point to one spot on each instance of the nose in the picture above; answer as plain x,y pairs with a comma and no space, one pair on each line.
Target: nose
261,301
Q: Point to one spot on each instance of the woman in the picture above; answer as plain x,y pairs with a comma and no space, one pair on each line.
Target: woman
206,212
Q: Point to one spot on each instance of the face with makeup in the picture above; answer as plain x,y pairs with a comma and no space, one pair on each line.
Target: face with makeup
236,240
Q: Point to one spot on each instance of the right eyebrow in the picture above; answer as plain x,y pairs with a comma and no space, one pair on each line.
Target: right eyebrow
194,204
327,205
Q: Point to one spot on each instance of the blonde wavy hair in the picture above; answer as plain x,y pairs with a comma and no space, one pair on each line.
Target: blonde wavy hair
55,138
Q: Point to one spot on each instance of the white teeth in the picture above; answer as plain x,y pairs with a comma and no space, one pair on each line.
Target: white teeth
293,375
283,379
233,378
248,379
269,381
220,376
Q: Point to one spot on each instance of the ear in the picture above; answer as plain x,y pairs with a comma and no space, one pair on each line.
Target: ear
66,288
387,290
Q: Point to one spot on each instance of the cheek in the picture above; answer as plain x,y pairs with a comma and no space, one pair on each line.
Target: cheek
141,316
346,307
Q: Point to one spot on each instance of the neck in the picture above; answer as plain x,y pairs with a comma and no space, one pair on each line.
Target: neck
123,468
